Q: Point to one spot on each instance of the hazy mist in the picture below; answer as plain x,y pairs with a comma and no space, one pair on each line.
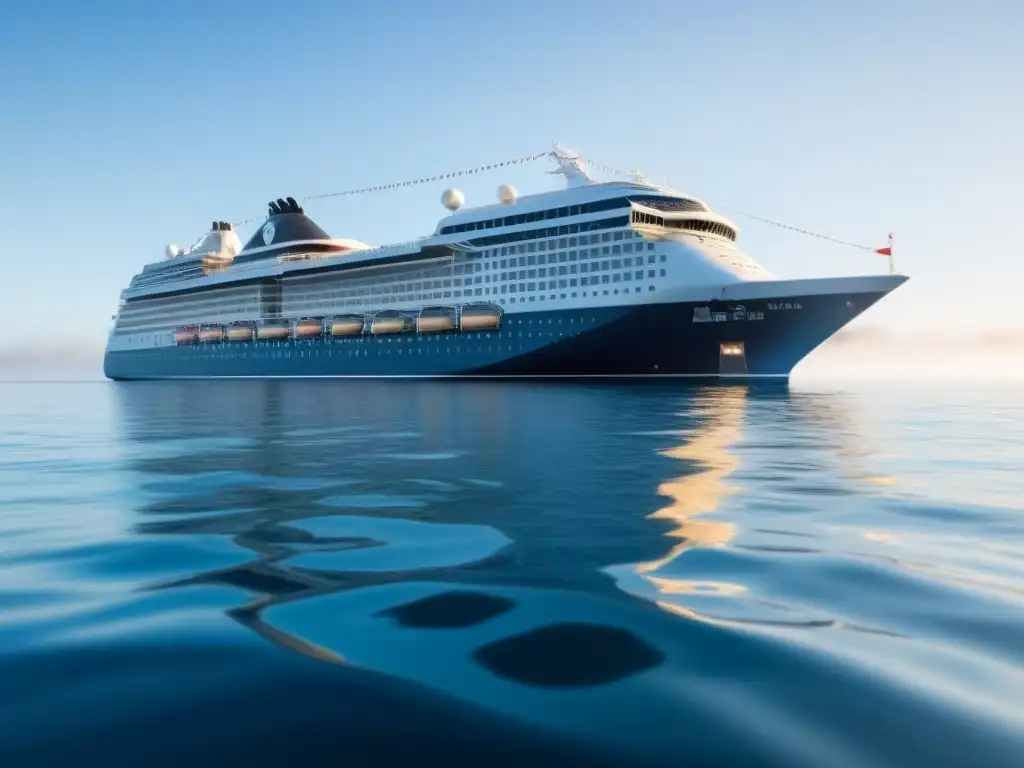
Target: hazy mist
852,354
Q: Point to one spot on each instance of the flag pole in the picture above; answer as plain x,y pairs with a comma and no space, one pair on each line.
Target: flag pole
892,265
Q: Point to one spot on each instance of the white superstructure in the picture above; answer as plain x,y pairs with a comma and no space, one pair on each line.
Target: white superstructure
591,244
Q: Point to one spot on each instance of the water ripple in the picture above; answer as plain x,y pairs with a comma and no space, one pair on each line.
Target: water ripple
589,573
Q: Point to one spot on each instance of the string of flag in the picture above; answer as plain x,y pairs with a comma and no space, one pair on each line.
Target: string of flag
798,229
415,182
883,251
887,251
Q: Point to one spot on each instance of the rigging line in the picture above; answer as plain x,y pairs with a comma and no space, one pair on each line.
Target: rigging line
798,229
538,156
829,238
414,182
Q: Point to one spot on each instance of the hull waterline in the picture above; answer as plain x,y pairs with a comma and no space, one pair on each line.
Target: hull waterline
767,338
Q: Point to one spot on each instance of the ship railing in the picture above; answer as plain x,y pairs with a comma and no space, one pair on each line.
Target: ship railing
243,271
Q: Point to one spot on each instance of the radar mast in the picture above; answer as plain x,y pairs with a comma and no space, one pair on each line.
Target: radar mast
570,166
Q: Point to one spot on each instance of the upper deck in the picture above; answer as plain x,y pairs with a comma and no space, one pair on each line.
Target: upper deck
288,242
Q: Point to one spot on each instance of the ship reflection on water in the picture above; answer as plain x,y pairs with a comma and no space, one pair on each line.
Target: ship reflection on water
707,455
707,460
325,486
452,535
588,559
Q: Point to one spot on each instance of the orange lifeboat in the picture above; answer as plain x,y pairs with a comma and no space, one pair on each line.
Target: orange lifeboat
240,332
347,325
480,317
210,334
309,327
274,331
189,334
436,320
390,321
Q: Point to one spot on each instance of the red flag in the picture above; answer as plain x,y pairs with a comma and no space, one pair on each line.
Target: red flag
884,251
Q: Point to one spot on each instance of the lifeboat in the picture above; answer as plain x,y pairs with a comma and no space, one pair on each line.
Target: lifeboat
347,325
186,335
480,317
211,334
390,321
436,320
309,328
274,331
240,332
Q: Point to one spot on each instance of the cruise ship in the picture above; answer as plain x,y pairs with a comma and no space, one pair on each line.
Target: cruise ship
616,278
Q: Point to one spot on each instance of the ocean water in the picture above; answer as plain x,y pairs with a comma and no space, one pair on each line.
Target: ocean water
412,573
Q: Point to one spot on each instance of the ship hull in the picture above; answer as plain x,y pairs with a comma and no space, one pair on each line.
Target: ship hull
763,338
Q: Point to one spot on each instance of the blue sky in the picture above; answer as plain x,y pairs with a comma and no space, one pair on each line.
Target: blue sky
126,126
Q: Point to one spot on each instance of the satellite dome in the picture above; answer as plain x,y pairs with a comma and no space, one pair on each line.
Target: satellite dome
452,199
171,251
507,194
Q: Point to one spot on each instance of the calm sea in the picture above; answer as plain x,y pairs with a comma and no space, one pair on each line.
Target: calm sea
368,572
